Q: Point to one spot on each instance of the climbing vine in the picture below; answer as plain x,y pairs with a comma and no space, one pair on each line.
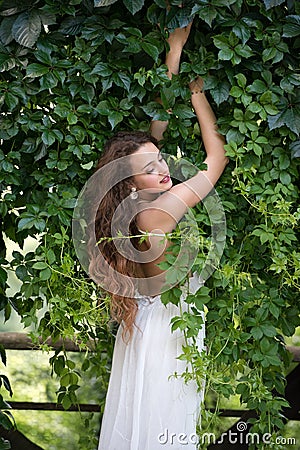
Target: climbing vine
71,74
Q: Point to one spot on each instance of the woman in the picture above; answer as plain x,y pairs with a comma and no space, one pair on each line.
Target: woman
147,407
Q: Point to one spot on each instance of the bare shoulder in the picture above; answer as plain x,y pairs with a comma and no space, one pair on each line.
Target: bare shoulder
164,213
155,219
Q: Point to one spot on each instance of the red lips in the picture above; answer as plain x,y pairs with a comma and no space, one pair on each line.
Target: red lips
165,179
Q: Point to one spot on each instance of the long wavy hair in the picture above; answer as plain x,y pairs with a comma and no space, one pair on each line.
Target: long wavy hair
123,304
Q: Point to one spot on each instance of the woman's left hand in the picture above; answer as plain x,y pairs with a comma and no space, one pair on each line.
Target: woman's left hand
178,37
196,86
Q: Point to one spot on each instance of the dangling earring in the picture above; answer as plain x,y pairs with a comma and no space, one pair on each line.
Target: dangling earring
133,194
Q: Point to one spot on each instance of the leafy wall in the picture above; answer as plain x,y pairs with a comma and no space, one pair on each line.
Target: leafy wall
71,75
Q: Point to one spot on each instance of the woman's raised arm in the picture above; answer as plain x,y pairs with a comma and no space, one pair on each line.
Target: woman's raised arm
176,42
213,141
168,209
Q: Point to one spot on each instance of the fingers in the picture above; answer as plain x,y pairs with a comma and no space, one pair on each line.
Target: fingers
180,35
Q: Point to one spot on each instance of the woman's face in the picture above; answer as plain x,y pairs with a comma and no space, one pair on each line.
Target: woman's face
152,171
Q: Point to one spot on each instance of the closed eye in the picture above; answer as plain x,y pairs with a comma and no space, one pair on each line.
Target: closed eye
159,158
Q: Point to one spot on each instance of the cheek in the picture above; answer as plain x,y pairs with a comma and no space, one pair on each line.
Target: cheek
144,181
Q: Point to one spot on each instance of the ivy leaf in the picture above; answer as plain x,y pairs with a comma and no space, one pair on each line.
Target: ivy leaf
289,82
102,69
11,101
257,333
124,80
3,354
220,92
47,138
3,276
6,30
151,49
244,50
5,422
206,13
6,384
47,17
31,221
21,273
295,149
155,111
71,25
179,17
45,274
7,62
272,3
264,234
133,6
66,402
221,42
40,265
99,3
289,117
183,111
11,7
27,28
257,87
285,178
167,97
292,27
242,31
36,70
114,118
103,107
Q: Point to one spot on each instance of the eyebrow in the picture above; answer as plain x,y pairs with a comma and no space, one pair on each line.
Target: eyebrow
150,162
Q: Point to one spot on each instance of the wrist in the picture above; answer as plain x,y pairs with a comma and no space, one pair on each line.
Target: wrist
173,63
197,87
175,51
196,92
198,97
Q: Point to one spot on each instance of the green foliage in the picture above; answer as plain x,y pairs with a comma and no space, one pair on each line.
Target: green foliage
30,372
71,74
6,418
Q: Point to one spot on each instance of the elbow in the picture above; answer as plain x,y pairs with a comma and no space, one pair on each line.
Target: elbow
222,163
225,157
223,160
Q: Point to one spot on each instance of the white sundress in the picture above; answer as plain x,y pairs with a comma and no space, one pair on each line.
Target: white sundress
146,407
